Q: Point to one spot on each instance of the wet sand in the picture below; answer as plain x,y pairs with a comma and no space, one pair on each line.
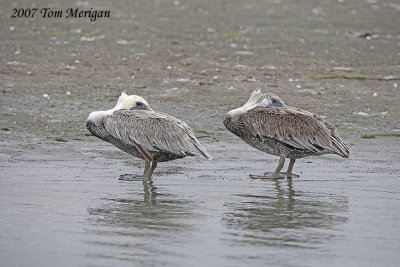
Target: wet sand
70,198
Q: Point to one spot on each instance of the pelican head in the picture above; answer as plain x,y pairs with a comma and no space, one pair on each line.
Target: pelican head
258,99
133,102
129,102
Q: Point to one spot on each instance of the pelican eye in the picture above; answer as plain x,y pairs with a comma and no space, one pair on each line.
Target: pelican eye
276,103
139,105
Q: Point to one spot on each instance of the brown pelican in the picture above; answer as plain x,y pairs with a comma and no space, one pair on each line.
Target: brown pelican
135,128
267,124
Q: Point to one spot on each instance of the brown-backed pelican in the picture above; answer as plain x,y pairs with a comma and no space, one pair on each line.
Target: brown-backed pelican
267,124
135,128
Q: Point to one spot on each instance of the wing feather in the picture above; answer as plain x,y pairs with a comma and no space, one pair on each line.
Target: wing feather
155,131
297,128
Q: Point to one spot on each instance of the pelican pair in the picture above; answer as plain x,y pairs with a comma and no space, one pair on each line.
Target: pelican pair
264,122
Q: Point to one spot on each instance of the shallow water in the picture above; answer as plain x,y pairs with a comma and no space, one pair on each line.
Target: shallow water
85,208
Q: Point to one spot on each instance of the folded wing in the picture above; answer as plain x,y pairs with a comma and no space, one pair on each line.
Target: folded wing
156,132
297,128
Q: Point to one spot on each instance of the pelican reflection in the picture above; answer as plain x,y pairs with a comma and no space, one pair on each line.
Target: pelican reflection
288,217
133,226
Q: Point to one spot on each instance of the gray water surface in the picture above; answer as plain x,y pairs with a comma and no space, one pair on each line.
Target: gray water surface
78,204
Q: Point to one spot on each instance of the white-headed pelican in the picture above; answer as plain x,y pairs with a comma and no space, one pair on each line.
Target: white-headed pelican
135,128
267,124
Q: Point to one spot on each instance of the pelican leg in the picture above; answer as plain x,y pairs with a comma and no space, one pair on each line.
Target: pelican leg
279,168
289,173
147,168
275,175
133,177
152,168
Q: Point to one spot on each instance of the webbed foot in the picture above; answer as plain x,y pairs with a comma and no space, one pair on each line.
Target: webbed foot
130,177
268,175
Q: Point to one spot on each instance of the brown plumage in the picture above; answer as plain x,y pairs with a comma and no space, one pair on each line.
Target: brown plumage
135,128
161,135
267,124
